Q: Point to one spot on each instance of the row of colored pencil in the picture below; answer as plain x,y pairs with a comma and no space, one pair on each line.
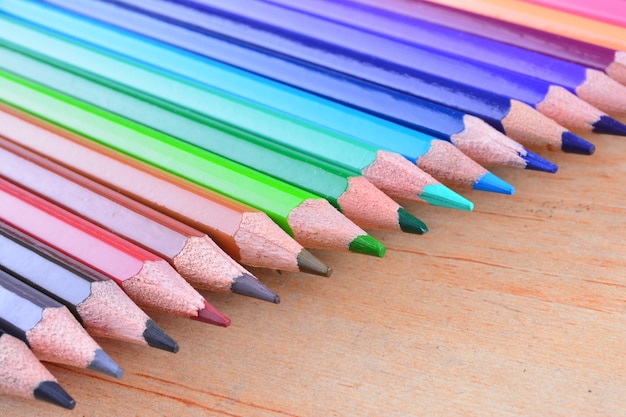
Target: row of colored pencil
166,146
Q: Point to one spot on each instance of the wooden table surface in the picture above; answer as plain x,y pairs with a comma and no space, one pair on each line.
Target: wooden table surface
518,308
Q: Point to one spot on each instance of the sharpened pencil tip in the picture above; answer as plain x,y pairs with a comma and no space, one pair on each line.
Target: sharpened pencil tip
103,363
53,393
493,184
571,143
367,245
212,315
609,126
440,195
311,265
537,163
246,284
409,223
157,338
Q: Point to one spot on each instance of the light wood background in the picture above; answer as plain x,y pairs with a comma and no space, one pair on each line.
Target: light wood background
518,308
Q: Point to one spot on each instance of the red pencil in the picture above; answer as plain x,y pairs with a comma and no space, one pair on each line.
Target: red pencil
148,280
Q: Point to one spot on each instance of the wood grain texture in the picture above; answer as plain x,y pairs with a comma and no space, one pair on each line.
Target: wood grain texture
515,309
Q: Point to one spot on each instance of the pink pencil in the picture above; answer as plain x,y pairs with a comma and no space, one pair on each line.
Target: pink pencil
610,11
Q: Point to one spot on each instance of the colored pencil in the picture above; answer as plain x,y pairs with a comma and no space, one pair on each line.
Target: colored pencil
96,301
592,86
546,19
309,218
393,105
610,11
590,55
49,329
209,72
231,114
273,125
22,375
390,62
438,121
147,279
272,94
510,117
190,252
197,258
247,235
354,195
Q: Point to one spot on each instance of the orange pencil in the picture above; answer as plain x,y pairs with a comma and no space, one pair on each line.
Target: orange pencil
546,19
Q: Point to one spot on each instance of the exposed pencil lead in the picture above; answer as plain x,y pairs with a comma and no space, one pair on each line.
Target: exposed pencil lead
409,223
367,245
440,195
53,393
212,315
571,143
610,126
246,284
156,337
537,163
103,363
493,184
311,265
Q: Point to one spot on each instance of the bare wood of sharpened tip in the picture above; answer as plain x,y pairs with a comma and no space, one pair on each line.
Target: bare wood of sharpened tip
22,375
147,279
246,234
96,301
49,328
533,129
197,258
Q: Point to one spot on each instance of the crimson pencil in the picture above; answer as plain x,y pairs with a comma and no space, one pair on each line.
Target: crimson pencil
590,55
48,328
148,280
22,375
246,234
97,302
197,258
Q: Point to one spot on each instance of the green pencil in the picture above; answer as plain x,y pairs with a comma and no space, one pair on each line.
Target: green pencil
379,166
308,218
352,194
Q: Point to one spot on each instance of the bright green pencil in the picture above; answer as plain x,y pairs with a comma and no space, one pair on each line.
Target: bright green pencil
389,171
352,194
308,218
